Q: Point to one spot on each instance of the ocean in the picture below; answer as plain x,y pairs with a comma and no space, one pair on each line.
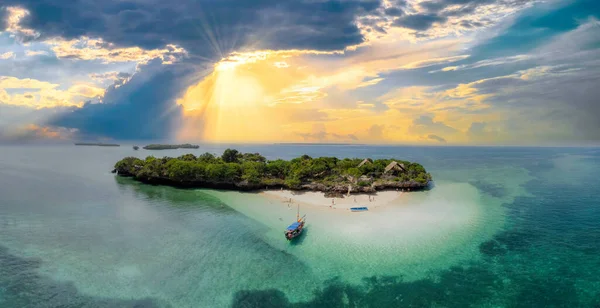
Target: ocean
502,227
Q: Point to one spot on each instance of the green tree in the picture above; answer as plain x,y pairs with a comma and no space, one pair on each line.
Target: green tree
187,157
293,182
207,158
252,171
278,168
232,172
254,157
354,172
230,156
215,172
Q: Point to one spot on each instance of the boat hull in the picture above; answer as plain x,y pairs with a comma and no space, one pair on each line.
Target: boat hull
292,234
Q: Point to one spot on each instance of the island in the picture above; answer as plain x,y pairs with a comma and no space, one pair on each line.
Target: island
252,171
170,146
99,144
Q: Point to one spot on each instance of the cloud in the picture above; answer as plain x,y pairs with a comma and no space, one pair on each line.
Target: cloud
34,53
86,90
375,132
97,49
479,132
12,22
438,18
8,82
425,125
419,21
14,116
110,76
303,115
369,82
363,105
33,133
189,35
7,55
394,11
265,62
436,138
434,61
319,133
281,64
142,108
202,27
489,62
39,94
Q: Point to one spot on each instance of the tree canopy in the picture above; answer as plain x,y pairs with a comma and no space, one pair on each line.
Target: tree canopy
255,170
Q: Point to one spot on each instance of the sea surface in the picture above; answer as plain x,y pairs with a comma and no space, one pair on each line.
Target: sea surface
502,227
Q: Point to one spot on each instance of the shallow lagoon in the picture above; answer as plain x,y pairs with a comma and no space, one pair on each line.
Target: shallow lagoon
503,227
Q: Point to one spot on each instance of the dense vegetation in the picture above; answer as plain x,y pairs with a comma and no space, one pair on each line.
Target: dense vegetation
252,170
170,146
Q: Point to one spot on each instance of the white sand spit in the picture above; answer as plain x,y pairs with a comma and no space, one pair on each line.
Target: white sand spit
378,199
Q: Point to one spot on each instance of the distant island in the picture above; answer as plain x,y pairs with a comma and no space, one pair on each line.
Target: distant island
170,146
252,171
99,144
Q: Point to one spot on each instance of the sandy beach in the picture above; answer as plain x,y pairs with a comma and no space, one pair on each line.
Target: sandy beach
378,199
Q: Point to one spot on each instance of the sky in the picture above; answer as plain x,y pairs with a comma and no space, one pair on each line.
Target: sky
423,72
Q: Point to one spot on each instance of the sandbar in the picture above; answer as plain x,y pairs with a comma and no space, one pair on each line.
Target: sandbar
381,198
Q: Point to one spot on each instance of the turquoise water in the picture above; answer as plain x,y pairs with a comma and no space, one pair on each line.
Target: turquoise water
504,227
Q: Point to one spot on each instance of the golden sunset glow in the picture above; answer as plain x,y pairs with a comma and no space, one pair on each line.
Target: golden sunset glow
418,72
268,96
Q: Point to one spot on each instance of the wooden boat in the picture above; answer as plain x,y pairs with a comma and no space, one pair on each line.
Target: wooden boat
359,209
295,229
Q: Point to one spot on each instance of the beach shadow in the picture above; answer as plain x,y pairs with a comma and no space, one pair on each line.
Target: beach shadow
175,196
300,239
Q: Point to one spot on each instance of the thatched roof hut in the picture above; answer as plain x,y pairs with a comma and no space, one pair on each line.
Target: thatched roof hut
394,166
365,161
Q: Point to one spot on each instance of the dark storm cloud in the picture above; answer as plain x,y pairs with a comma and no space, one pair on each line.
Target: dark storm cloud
204,27
145,107
142,108
419,21
394,11
470,24
438,11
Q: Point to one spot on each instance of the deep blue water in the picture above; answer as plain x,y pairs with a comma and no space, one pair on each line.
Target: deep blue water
64,221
